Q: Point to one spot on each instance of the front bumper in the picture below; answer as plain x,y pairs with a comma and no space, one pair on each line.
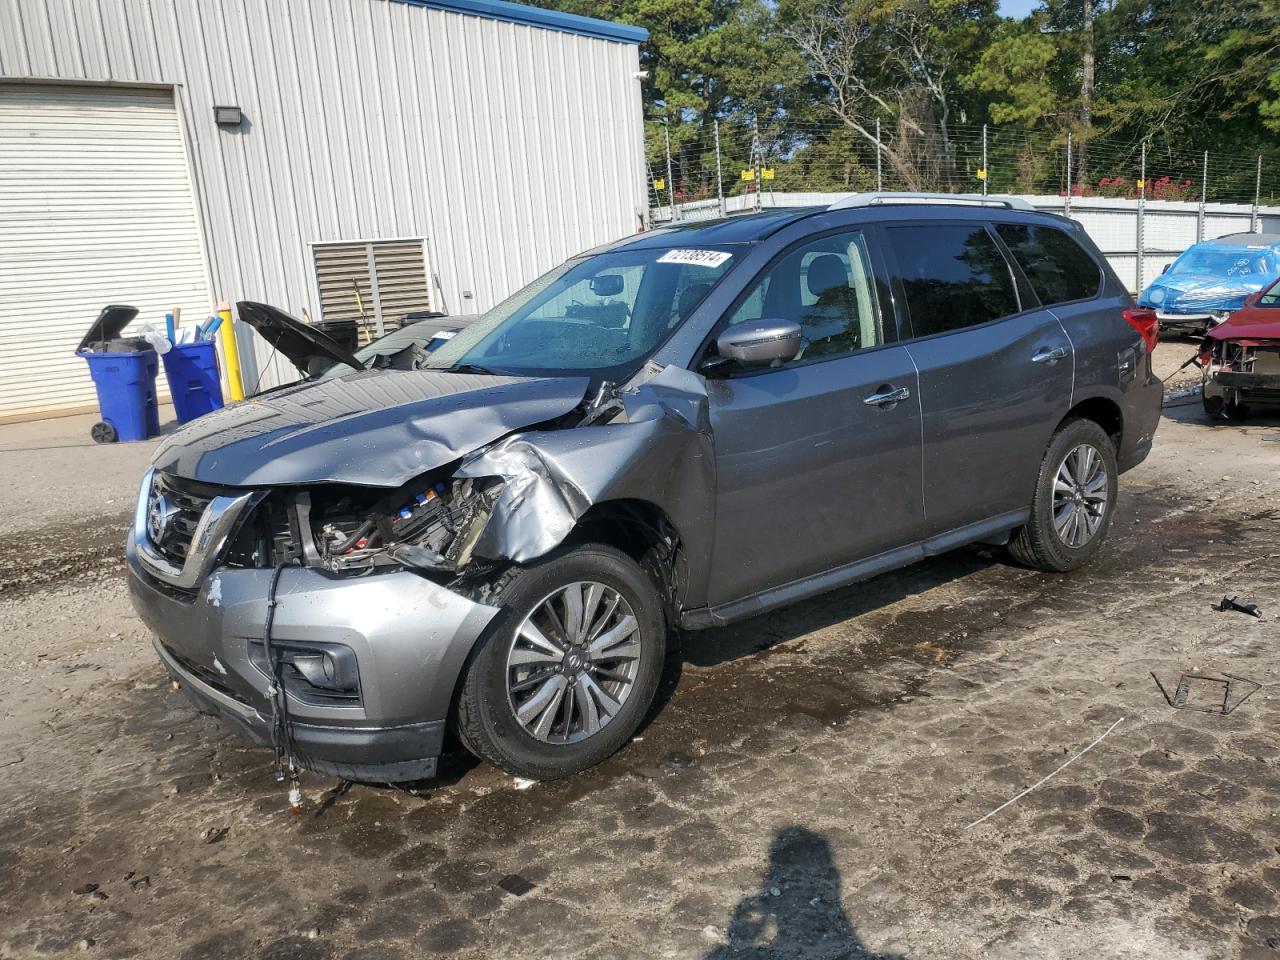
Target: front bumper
410,638
1243,387
1193,323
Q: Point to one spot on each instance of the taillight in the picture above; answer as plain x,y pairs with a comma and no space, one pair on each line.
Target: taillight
1146,323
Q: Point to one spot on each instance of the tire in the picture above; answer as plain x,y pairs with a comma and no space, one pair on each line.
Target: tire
103,432
1218,409
499,716
1039,543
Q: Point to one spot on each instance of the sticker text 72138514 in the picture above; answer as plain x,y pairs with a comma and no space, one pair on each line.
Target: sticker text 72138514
697,258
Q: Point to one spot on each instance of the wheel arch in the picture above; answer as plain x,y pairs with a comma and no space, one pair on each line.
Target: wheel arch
1103,411
642,530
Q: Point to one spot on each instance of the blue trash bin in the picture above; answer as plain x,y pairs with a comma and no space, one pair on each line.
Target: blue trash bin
192,372
124,375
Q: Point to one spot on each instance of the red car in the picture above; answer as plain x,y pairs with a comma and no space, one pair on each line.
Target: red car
1241,358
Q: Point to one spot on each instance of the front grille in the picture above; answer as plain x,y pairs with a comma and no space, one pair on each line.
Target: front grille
174,510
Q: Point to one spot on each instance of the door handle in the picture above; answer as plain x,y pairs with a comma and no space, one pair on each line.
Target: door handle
887,395
1044,355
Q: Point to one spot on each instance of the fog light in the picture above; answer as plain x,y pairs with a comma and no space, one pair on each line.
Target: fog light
327,669
316,672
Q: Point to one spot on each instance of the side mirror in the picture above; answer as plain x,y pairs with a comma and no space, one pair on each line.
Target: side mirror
607,285
760,343
1165,269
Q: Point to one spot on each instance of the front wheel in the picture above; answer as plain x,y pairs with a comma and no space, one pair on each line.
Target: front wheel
1074,499
1218,409
569,668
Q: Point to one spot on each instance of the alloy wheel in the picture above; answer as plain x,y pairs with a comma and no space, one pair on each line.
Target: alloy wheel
573,662
1080,493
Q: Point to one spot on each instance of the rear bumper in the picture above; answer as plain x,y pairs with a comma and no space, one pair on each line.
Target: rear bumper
1140,415
409,635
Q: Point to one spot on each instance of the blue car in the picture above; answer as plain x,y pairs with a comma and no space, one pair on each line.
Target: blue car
1210,281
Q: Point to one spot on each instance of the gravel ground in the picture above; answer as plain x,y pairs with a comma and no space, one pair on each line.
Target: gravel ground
805,789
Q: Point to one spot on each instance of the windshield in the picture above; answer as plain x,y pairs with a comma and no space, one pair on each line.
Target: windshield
1270,297
1224,262
601,315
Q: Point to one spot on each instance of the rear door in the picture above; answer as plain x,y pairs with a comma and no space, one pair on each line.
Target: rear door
818,461
995,369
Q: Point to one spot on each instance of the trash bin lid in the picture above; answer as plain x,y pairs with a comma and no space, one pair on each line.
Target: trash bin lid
111,321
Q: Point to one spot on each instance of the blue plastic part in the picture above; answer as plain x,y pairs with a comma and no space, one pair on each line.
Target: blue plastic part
126,385
538,17
169,329
192,372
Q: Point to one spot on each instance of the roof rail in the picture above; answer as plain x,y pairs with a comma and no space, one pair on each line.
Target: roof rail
875,199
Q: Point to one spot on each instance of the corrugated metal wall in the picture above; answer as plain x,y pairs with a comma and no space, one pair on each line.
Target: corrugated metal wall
509,147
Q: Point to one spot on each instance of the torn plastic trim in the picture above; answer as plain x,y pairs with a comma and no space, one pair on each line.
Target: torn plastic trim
656,448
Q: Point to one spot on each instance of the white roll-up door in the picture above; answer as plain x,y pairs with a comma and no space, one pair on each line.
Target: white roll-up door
96,207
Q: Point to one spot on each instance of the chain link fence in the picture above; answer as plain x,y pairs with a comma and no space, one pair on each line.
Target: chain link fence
1143,205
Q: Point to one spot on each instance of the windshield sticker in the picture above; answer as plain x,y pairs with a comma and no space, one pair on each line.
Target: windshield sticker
696,258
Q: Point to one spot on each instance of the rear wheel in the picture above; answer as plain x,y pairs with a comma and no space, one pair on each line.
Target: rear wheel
569,669
103,432
1074,499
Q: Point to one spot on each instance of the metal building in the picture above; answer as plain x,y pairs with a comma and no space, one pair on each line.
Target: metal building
327,156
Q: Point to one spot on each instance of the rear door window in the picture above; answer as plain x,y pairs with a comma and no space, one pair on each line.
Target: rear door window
1059,269
953,276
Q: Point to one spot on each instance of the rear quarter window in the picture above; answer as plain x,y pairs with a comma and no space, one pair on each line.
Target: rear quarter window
1059,269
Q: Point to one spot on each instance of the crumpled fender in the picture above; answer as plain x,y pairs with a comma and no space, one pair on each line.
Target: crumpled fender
658,451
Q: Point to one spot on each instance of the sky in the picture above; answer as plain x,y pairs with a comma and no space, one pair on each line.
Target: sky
1017,8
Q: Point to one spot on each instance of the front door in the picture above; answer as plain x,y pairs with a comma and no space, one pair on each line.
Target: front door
818,461
995,371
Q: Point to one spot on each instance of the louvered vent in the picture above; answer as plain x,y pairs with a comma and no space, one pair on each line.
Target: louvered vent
372,282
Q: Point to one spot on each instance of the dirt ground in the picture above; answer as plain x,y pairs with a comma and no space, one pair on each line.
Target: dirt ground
805,789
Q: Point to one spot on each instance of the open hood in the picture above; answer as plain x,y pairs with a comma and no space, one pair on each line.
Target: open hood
302,345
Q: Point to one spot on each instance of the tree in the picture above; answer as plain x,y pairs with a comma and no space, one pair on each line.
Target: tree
897,61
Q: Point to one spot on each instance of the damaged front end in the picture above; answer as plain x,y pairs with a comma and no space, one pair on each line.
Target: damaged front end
511,501
350,608
1240,372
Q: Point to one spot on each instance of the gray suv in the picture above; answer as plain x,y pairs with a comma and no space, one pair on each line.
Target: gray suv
495,533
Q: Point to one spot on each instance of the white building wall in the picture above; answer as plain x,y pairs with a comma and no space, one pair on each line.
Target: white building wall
509,147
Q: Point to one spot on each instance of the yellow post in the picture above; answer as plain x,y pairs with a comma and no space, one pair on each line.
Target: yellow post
230,356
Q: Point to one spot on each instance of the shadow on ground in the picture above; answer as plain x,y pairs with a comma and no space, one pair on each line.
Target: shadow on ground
798,909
